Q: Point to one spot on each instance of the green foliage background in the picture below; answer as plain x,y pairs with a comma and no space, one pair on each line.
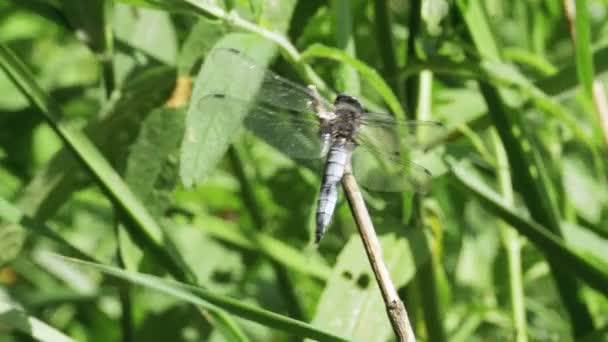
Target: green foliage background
510,242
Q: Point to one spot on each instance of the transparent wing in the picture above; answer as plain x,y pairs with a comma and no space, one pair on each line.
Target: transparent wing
379,169
383,130
295,134
279,111
273,91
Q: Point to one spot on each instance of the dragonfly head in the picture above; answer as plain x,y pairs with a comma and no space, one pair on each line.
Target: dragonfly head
345,100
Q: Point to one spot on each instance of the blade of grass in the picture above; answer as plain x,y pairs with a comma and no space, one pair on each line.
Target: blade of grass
13,215
91,19
527,167
367,73
210,301
511,241
386,45
592,273
148,233
12,317
88,154
145,230
418,100
348,79
428,282
584,62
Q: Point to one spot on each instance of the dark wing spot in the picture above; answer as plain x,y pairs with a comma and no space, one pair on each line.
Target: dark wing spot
219,96
347,275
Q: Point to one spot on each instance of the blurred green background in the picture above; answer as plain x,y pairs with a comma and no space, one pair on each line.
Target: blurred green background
176,227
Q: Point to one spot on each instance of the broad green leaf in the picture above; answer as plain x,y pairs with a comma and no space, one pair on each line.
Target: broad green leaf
351,301
201,39
53,184
152,170
148,30
209,131
211,301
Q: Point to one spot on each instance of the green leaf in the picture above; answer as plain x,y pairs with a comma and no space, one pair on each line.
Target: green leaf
91,20
351,301
201,39
152,170
209,131
566,78
14,217
147,30
54,183
14,318
147,231
211,301
271,247
594,274
11,241
527,167
584,61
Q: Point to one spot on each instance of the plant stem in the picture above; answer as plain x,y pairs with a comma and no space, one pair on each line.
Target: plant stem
512,244
394,306
386,46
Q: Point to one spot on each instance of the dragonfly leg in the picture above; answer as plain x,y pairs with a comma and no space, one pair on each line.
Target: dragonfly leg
318,106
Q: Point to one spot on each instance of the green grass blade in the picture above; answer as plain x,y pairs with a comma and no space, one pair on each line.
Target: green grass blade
14,318
13,215
348,79
566,78
92,20
212,302
527,168
273,248
592,273
367,73
386,44
148,233
584,61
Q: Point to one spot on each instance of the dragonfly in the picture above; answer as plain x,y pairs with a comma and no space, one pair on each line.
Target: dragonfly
302,124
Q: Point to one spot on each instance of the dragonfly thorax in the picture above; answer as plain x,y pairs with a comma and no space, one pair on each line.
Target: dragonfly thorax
347,117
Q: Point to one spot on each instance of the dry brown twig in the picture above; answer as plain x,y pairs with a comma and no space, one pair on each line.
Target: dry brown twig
394,306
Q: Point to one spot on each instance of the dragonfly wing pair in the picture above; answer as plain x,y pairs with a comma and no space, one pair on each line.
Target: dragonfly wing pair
283,114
